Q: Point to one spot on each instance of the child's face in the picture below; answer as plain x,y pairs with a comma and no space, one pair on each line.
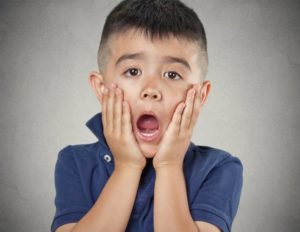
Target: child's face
148,73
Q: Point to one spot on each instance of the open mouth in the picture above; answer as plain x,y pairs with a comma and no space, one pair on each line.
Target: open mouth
148,127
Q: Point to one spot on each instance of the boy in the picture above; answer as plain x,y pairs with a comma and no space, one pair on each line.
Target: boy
144,173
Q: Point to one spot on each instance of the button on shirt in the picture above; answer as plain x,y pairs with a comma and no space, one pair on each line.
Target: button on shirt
213,177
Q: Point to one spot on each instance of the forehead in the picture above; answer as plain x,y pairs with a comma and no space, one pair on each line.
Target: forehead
135,41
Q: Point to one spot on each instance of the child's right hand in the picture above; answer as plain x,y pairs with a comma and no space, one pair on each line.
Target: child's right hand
117,130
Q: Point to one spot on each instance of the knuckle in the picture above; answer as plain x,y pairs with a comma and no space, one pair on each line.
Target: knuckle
188,118
177,123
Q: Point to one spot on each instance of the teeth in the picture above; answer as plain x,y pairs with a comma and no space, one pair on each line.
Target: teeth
148,133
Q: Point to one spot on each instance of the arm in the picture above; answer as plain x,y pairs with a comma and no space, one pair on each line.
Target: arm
112,209
171,209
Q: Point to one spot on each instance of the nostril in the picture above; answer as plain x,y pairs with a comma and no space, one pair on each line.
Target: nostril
151,94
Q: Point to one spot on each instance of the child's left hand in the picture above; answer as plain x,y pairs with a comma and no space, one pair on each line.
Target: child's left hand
176,140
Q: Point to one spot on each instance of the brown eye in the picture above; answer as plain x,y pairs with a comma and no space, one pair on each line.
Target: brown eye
132,72
172,75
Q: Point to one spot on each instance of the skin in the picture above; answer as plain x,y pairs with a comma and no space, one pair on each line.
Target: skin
177,104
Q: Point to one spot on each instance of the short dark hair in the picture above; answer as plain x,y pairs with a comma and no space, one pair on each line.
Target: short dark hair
157,18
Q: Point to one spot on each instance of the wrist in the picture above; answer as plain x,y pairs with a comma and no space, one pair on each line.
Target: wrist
168,166
171,173
129,167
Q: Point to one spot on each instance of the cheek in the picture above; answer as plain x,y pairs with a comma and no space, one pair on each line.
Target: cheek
178,90
175,96
128,92
171,102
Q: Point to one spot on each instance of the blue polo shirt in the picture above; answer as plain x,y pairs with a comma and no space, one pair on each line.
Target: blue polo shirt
214,180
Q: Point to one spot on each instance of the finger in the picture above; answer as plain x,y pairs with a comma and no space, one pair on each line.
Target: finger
174,126
188,111
104,107
197,108
126,120
110,109
118,111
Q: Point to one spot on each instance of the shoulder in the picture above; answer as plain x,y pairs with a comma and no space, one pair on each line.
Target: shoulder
215,186
210,164
213,157
79,151
73,185
78,156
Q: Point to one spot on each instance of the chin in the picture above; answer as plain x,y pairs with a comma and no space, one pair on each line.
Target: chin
148,150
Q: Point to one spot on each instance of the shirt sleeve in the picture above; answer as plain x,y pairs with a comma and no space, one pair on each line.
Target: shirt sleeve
71,204
218,198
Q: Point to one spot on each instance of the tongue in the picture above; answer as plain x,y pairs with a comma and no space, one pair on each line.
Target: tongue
147,122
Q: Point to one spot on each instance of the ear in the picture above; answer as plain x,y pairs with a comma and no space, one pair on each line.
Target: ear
204,87
205,90
97,84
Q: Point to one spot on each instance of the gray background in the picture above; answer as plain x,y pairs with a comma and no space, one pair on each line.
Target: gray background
48,49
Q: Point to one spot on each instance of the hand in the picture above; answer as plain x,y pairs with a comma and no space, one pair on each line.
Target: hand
177,137
118,130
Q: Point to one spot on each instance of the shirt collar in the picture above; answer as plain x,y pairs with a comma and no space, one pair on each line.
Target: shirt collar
95,125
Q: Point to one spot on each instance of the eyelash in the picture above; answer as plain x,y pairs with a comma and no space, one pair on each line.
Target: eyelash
128,70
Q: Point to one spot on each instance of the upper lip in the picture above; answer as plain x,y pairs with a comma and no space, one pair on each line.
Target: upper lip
148,113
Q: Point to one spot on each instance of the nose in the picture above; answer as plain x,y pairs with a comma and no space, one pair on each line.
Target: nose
151,94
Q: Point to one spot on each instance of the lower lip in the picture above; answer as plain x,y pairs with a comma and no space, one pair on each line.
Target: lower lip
148,137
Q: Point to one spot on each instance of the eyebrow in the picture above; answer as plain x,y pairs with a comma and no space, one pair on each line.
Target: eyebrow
141,55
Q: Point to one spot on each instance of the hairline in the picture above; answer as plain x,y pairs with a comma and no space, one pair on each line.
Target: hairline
104,51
